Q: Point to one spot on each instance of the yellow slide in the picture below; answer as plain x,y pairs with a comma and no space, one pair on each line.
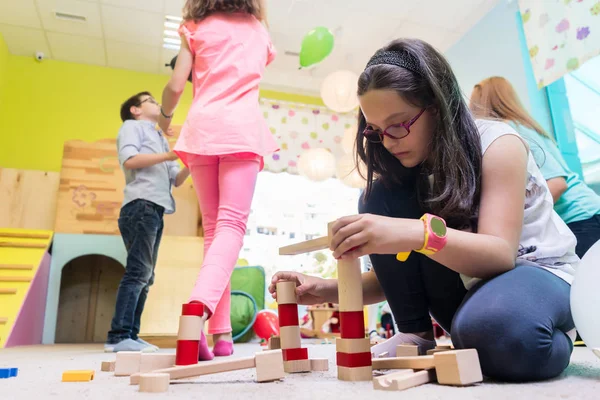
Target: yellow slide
22,252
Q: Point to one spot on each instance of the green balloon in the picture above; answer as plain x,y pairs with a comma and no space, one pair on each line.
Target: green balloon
316,46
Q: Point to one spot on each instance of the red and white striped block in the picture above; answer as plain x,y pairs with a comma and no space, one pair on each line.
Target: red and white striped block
188,338
294,356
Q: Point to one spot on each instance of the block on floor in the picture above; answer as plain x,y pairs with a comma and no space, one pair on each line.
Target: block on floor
407,350
108,366
296,366
78,376
154,383
458,367
128,363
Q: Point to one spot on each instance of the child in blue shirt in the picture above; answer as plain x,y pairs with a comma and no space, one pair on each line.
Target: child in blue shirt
151,170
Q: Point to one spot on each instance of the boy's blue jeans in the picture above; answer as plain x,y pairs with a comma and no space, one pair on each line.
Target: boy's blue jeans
141,226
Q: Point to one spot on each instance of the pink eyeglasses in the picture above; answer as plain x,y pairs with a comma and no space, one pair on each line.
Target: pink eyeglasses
396,131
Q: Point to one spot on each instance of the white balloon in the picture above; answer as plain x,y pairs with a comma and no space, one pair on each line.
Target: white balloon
338,91
585,298
316,164
348,173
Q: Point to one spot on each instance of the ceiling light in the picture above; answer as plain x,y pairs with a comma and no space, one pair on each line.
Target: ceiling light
171,39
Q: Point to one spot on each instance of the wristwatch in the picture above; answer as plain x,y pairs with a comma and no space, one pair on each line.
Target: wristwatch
435,236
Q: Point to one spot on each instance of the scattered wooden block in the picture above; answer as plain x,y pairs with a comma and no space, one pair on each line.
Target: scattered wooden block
286,292
403,380
458,367
355,374
444,347
274,343
319,364
305,247
6,373
417,362
407,350
108,366
268,364
127,363
290,337
78,376
297,366
154,383
152,361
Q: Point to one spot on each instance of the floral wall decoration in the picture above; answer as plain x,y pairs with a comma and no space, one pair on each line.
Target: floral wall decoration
561,35
298,128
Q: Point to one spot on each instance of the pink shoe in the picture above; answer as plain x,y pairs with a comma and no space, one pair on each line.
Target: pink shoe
223,348
204,353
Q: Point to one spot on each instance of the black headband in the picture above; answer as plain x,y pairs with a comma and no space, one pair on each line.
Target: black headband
398,58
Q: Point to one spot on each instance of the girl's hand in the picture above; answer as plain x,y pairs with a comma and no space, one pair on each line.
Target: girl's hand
164,124
359,235
309,289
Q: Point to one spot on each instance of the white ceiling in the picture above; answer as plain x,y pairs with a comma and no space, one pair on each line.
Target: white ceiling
128,33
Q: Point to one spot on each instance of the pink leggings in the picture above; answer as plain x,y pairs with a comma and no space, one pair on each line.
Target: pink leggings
225,187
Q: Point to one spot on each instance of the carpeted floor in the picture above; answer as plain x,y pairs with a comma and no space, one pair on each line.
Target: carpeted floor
41,367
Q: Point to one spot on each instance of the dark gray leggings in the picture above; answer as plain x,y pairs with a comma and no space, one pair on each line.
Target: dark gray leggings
516,321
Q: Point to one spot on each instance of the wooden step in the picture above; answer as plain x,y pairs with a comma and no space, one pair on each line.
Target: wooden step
24,245
15,279
5,267
8,291
25,235
3,320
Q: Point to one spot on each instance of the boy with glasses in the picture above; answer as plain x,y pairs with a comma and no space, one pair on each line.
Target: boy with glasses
151,170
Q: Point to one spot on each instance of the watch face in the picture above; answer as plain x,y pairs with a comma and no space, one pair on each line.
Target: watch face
438,227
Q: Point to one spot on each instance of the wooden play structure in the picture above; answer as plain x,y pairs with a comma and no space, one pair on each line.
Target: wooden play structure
77,210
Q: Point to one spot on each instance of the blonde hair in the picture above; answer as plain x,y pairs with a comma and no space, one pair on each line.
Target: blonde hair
196,10
496,98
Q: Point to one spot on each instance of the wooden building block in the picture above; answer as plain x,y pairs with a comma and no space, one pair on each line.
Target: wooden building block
305,247
154,383
78,376
268,364
296,366
319,364
295,354
418,362
403,380
407,350
153,361
352,324
290,337
355,374
288,315
108,366
274,343
286,293
458,367
352,345
383,355
349,286
6,373
190,327
127,363
444,347
353,360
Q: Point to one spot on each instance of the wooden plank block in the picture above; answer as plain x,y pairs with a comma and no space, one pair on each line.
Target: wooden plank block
8,291
108,366
274,343
444,347
269,366
355,374
352,345
286,292
153,361
305,247
319,364
78,376
403,380
296,366
407,350
23,245
15,279
154,383
419,362
458,367
128,363
350,296
25,235
19,267
433,351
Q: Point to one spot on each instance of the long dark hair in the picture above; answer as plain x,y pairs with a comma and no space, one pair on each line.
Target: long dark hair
455,151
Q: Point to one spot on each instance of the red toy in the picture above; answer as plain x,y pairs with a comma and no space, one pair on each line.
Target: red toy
266,324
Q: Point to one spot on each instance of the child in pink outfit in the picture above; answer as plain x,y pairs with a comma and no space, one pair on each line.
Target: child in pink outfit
223,140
